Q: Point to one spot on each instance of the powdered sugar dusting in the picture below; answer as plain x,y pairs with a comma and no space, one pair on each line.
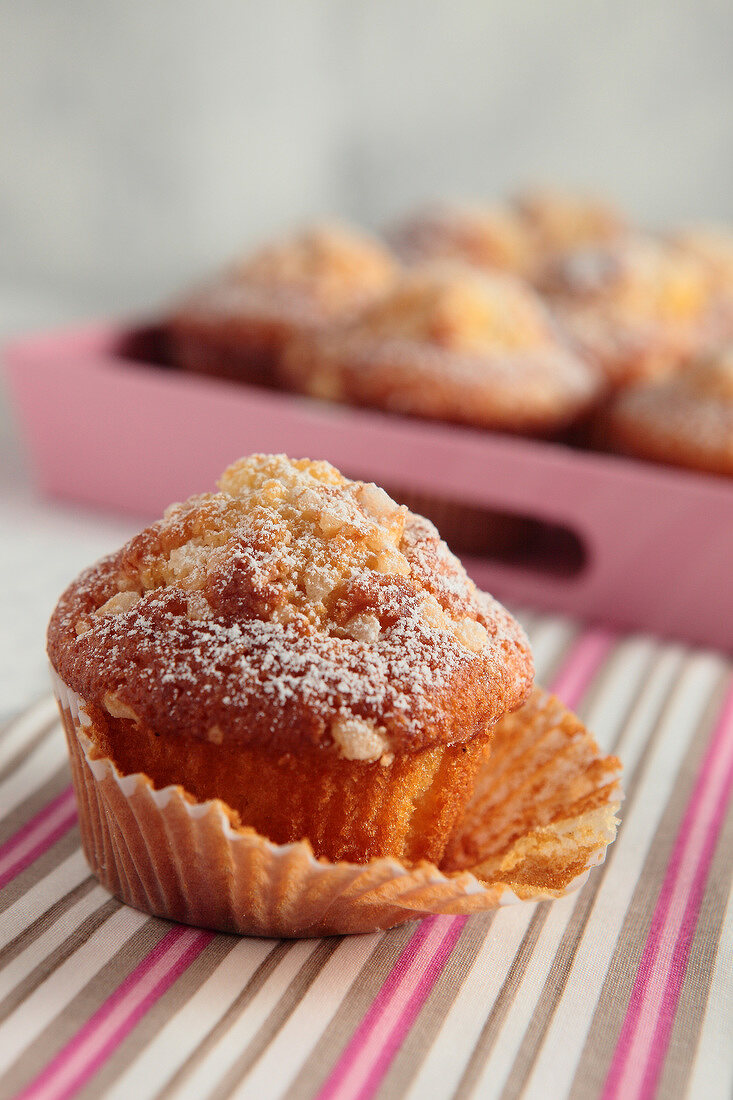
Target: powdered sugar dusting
255,616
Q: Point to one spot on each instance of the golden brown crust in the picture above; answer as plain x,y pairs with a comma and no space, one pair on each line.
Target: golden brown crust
454,344
347,809
686,420
292,608
638,307
239,324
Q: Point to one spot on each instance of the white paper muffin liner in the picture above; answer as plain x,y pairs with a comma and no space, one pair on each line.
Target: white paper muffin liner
165,853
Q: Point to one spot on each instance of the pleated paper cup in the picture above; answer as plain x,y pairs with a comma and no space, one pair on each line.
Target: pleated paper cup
165,853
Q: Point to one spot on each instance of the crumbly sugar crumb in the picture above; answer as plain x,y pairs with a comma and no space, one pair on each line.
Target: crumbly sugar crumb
292,604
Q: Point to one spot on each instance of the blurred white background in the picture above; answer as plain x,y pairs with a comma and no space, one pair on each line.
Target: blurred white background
144,142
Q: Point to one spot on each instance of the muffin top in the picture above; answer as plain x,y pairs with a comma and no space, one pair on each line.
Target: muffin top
684,420
453,343
323,272
488,237
713,246
561,221
292,607
640,305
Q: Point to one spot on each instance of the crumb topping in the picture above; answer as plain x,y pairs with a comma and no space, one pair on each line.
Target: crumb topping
328,269
564,221
637,280
459,308
454,343
293,603
488,237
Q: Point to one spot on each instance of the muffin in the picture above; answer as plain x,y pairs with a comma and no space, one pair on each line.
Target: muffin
492,238
712,246
561,221
238,325
277,700
252,646
639,308
453,344
685,420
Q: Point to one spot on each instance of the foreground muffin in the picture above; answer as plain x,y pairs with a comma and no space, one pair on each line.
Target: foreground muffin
277,699
686,420
238,325
455,344
304,649
638,307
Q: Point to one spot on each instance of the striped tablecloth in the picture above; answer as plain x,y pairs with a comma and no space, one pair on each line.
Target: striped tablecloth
622,990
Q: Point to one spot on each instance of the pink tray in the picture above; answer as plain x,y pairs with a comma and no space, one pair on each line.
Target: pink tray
109,430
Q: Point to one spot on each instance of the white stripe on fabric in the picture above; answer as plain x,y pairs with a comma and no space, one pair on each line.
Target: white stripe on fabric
279,1065
36,770
60,988
221,1057
24,963
20,732
460,1032
548,638
180,1036
36,901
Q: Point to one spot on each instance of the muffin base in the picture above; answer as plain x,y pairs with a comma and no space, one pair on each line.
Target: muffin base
165,853
349,809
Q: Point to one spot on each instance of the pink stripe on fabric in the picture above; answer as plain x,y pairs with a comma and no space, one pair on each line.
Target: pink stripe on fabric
371,1050
586,657
37,836
93,1044
392,1009
645,1033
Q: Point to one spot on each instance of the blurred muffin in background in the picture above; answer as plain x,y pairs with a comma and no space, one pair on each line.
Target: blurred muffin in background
713,247
491,237
638,307
455,344
238,325
561,221
683,420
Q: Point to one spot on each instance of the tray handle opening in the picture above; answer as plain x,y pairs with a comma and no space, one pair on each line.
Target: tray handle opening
525,542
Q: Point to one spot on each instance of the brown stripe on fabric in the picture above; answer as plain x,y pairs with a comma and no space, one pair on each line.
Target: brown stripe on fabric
42,923
29,746
612,1004
250,990
46,966
432,1015
166,1007
277,1018
40,867
696,986
35,802
62,1029
562,964
502,1004
351,1011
